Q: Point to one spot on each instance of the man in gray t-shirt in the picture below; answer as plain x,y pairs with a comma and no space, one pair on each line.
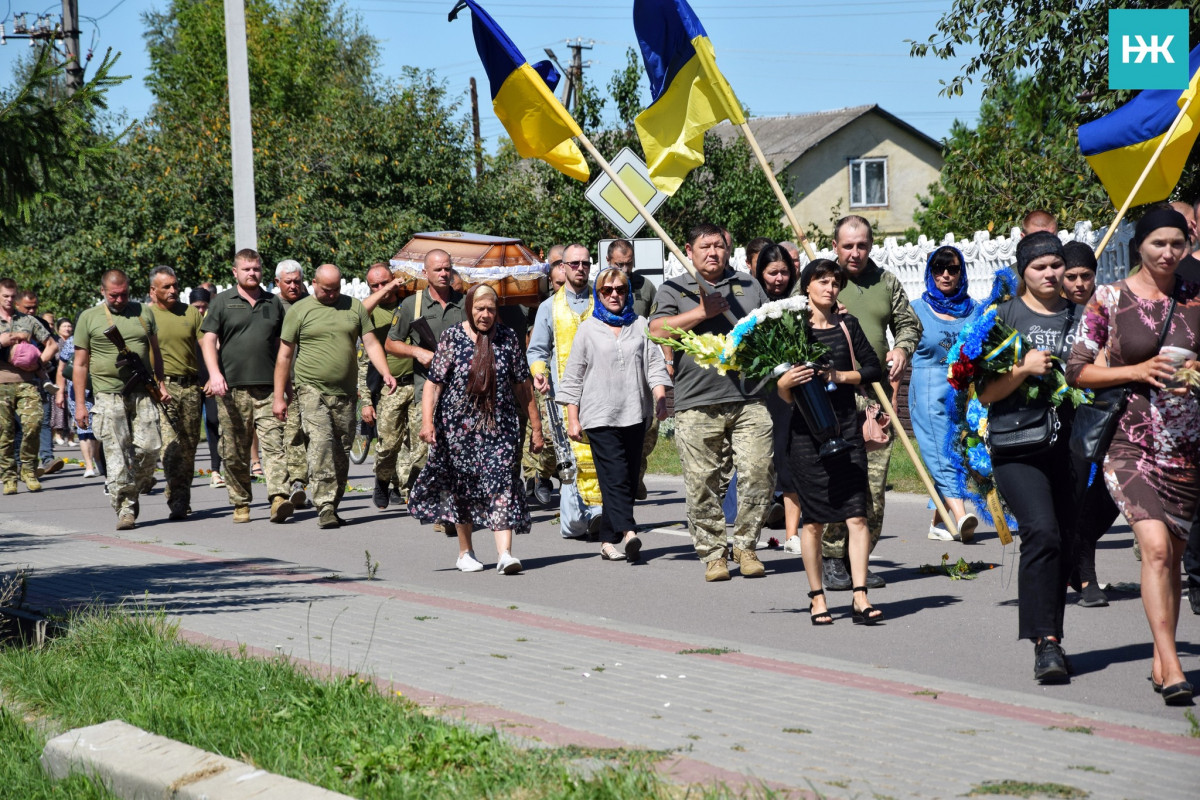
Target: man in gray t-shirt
718,426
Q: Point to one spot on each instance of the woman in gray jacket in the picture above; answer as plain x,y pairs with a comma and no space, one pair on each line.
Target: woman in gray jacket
613,378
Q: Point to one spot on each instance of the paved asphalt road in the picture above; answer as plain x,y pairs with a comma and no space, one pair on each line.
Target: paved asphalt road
950,637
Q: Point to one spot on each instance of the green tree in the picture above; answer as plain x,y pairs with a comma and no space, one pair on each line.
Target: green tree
1059,48
1021,155
46,137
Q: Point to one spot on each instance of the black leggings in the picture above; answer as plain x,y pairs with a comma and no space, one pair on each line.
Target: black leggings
617,454
211,432
1042,493
1097,513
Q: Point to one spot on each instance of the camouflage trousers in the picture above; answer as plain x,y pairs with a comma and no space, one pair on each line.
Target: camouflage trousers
833,539
240,413
180,436
713,441
19,402
543,464
392,454
127,427
418,451
329,428
295,444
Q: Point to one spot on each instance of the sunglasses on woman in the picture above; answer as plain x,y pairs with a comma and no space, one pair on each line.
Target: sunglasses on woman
949,269
607,290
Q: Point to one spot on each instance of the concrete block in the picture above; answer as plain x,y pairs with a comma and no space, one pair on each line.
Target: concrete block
136,765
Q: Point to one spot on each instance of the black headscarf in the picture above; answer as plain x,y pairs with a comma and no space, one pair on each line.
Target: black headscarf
1034,246
1155,218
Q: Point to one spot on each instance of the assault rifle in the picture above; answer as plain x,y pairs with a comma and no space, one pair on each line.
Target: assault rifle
139,375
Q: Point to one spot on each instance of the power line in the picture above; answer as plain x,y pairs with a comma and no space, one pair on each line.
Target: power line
106,13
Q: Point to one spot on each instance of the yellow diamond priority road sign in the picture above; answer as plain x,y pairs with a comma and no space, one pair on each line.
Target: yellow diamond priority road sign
612,203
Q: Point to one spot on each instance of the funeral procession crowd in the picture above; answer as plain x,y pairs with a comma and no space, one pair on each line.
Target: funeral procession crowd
477,404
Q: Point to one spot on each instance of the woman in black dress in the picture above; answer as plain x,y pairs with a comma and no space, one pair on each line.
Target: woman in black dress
469,413
833,489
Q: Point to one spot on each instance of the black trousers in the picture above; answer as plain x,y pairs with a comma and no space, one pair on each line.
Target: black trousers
211,433
1097,513
1043,493
1191,556
617,453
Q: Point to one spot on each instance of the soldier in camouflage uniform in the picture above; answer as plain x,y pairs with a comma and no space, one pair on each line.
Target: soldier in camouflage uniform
244,322
289,277
389,412
19,398
178,340
717,425
124,417
877,300
321,333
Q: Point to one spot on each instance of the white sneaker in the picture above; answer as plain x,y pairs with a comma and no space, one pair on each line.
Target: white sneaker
940,534
217,480
467,562
792,546
89,473
967,526
508,564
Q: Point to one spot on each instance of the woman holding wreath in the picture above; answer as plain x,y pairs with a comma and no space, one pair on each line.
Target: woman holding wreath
614,379
470,421
832,489
1149,326
1042,489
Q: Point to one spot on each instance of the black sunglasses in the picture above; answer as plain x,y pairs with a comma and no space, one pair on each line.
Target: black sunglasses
949,269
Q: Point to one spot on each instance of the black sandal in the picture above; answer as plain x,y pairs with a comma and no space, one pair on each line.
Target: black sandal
817,619
867,615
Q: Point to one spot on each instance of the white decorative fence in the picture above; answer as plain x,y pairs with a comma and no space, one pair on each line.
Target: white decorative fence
983,254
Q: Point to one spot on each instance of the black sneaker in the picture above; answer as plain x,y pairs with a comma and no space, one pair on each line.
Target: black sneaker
395,496
1194,598
381,496
834,575
874,581
1093,596
541,490
1049,662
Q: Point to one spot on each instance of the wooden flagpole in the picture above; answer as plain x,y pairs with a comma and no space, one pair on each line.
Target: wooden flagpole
702,284
1142,178
775,187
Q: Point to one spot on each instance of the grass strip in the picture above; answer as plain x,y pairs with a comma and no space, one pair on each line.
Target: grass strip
341,733
21,773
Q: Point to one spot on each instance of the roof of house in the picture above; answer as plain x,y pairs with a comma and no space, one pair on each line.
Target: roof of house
784,139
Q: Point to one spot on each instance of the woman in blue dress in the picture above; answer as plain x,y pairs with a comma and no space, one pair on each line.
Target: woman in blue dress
943,309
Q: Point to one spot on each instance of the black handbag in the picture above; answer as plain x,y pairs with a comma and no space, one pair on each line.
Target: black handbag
1096,422
1021,431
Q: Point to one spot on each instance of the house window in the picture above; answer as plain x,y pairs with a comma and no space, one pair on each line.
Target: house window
868,182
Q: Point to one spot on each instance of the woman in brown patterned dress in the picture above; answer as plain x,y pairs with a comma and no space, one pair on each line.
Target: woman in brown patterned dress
1153,464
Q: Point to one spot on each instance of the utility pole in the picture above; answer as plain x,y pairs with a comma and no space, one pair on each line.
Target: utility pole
241,136
475,131
70,32
572,76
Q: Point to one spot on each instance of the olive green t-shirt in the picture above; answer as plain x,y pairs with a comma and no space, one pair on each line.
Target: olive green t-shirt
326,339
136,324
249,336
178,331
440,320
382,320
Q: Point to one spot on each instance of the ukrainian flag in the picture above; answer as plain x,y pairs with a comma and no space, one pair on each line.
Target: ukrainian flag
539,125
689,93
1119,145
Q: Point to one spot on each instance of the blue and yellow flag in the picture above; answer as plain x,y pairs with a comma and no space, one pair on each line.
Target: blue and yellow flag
689,93
1119,145
539,125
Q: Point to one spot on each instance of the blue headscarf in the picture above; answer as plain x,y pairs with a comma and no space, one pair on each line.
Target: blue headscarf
627,315
960,304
